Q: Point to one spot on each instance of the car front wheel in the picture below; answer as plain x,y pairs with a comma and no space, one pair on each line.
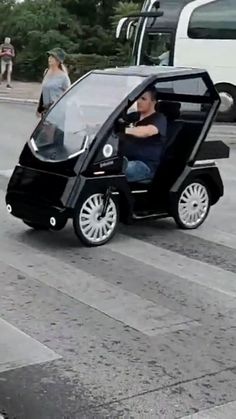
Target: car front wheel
91,225
192,205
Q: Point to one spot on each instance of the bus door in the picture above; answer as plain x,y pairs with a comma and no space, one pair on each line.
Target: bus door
156,48
136,25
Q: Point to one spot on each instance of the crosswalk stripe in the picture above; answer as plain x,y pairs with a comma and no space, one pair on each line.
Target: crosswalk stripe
225,411
141,314
195,271
214,236
17,349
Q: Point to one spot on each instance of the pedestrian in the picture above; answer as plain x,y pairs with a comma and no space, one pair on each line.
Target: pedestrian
7,53
55,82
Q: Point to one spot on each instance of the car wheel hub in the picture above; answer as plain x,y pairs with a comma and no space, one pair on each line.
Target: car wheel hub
193,204
95,227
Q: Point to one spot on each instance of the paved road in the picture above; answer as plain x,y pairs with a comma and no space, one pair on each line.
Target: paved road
143,327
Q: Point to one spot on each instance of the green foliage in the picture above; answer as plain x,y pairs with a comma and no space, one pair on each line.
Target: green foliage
84,28
124,8
79,64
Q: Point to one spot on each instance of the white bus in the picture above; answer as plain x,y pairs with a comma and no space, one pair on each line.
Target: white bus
189,33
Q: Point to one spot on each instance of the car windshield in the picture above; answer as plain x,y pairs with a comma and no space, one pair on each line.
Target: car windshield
74,121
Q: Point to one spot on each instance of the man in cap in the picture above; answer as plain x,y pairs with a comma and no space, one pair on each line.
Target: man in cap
7,53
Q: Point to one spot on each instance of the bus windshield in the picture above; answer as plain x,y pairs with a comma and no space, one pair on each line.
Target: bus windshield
156,48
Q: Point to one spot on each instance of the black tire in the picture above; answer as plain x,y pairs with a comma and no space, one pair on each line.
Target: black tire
112,217
36,226
184,207
229,91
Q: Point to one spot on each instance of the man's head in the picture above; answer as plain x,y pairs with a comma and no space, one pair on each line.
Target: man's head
146,104
7,40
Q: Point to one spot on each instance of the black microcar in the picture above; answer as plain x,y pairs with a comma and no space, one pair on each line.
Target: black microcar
73,166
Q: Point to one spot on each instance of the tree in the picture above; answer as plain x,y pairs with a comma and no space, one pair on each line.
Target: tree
36,26
122,9
78,26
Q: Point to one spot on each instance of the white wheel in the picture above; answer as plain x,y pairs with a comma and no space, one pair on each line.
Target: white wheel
93,228
192,206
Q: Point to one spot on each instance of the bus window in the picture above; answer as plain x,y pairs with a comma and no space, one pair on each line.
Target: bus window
214,21
156,48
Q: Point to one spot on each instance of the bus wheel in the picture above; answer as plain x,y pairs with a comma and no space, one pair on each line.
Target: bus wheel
227,110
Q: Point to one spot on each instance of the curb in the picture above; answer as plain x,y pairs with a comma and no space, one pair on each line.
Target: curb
17,100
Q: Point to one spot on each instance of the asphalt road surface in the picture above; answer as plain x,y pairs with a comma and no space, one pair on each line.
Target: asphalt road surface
144,327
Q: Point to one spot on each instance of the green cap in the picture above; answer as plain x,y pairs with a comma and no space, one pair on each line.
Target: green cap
57,53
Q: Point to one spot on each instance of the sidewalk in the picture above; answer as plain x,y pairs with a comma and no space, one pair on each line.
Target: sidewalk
20,92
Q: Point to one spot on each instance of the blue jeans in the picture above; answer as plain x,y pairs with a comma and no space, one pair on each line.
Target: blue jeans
137,171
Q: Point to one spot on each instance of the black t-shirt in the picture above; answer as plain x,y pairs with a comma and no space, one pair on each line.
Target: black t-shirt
148,149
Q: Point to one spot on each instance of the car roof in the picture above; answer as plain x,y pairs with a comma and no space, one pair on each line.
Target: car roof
147,71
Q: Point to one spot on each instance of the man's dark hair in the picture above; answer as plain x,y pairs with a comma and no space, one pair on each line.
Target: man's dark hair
152,91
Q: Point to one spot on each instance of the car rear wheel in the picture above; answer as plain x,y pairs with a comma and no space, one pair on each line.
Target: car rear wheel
91,226
192,205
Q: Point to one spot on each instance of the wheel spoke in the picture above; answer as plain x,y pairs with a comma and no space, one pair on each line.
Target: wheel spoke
88,207
87,230
107,228
86,215
85,223
103,231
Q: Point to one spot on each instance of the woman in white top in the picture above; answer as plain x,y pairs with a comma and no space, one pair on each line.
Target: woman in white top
56,80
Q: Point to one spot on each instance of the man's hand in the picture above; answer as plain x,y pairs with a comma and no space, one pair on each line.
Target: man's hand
142,131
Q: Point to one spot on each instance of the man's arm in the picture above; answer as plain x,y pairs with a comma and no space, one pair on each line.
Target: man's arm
143,131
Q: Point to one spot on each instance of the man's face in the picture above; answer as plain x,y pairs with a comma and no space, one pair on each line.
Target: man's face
145,103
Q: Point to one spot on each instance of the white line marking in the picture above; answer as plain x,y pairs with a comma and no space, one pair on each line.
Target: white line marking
141,314
214,236
19,350
195,271
226,411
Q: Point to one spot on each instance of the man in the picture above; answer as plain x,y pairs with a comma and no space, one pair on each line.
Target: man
149,133
7,53
164,58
